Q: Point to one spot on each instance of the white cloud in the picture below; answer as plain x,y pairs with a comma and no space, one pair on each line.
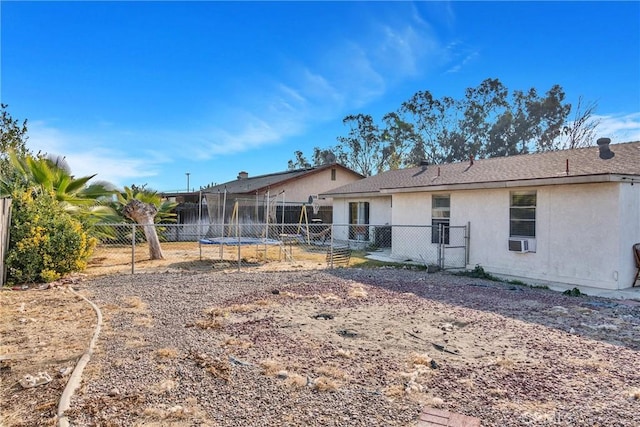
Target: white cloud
402,51
398,47
88,154
619,127
354,74
455,51
345,74
442,11
319,89
111,166
45,139
248,132
292,94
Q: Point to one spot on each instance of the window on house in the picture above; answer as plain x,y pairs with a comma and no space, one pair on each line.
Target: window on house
359,219
522,214
440,213
333,174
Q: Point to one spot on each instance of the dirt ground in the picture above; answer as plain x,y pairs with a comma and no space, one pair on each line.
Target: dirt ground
47,330
42,331
190,256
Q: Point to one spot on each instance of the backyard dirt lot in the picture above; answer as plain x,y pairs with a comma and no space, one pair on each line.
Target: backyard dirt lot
344,347
191,256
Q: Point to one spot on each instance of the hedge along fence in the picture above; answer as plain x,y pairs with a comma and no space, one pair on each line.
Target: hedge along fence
5,224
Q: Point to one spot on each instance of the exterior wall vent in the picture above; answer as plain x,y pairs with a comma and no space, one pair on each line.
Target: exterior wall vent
519,245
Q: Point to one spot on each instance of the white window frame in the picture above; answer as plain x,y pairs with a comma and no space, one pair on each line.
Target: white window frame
521,211
440,215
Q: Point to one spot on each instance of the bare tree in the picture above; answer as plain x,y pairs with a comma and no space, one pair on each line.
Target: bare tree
582,130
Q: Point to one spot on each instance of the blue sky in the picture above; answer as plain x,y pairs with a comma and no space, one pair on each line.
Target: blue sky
144,92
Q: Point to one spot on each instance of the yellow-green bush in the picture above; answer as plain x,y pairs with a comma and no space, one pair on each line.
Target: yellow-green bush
45,242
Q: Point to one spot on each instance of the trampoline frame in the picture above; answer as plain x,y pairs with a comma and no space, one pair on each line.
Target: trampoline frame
233,241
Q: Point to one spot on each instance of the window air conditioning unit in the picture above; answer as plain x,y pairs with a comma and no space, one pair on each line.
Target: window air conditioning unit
519,245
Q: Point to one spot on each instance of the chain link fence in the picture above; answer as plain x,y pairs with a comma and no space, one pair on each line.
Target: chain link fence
439,246
5,223
123,249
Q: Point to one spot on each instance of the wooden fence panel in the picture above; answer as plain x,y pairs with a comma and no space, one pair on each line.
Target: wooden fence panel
5,222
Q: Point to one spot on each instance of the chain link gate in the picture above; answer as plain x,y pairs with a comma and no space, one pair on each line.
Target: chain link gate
453,251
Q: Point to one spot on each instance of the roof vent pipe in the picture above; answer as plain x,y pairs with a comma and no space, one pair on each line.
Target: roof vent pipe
470,159
605,151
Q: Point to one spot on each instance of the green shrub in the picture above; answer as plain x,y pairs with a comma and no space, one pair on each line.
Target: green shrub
45,242
478,273
575,292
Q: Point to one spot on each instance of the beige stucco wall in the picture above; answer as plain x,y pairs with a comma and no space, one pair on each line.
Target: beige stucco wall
311,185
584,232
412,209
379,213
630,231
576,234
413,243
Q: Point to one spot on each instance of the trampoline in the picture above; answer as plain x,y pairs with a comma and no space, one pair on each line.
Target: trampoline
231,241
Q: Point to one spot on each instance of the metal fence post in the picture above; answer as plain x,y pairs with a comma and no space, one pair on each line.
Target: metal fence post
5,226
441,245
222,236
467,239
238,234
331,248
133,248
200,236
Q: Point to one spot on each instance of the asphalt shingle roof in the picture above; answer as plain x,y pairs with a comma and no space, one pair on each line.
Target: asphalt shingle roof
262,182
581,162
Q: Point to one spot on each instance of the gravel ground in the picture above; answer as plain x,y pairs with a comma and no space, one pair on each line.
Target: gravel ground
355,347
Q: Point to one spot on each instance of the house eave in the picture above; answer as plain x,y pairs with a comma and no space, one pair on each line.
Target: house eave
538,182
347,195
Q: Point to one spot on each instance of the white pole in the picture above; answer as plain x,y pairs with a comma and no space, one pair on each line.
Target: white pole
266,234
200,224
218,211
199,210
224,207
283,195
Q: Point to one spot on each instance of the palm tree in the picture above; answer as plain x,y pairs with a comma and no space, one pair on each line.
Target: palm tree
165,208
146,207
86,202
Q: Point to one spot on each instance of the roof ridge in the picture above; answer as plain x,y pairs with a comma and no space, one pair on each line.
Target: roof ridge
532,154
569,164
288,171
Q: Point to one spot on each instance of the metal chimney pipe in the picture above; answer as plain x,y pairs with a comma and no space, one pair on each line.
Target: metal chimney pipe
605,150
